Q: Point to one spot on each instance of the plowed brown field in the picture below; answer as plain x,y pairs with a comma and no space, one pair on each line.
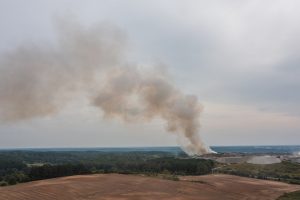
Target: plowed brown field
120,187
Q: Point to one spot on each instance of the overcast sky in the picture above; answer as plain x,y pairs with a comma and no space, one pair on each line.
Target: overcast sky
241,58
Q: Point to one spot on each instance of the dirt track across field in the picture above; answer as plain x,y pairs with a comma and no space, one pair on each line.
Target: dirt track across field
135,187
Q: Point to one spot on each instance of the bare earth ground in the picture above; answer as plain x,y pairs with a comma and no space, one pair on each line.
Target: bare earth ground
120,187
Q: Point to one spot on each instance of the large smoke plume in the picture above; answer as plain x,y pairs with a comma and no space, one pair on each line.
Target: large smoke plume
36,81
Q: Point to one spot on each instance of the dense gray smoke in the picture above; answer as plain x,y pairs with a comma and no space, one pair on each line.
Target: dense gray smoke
40,81
133,95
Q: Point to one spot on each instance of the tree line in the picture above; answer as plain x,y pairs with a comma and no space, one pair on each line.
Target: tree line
17,167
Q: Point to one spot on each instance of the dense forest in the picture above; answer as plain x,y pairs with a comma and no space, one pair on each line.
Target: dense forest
22,166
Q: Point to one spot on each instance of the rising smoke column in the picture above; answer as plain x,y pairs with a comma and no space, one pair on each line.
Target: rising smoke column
40,81
133,95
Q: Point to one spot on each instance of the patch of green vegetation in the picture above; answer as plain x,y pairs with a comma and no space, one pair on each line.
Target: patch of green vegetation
290,196
3,183
164,175
201,182
286,171
170,177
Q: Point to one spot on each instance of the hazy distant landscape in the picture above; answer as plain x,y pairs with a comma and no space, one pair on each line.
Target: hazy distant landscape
169,169
166,163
